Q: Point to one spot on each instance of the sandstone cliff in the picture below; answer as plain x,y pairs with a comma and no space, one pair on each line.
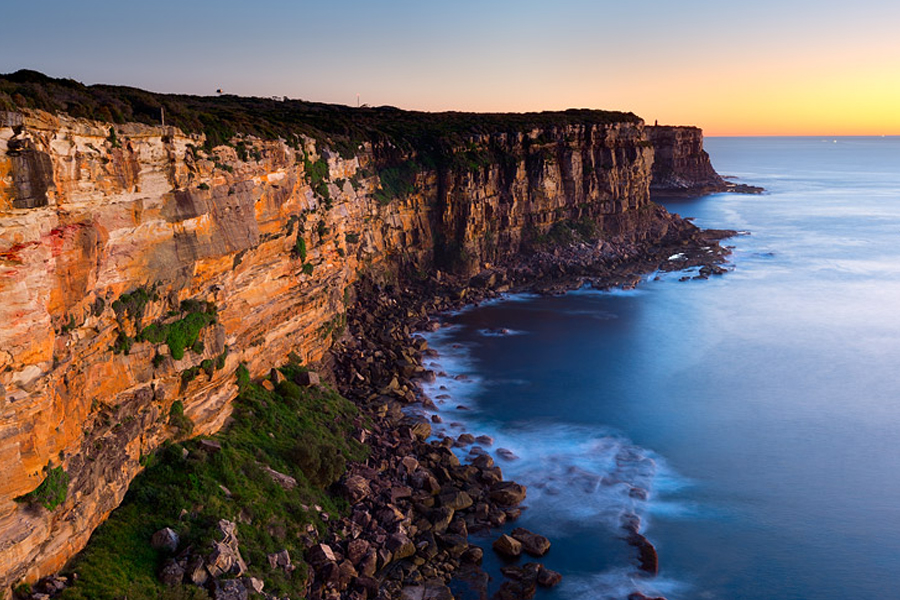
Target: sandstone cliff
138,270
681,166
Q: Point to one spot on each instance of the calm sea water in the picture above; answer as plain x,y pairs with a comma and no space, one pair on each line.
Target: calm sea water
760,410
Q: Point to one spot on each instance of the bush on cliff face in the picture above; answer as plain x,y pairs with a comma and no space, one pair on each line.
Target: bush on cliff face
191,491
52,490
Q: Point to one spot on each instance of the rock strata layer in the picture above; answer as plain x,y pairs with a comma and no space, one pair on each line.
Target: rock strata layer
137,271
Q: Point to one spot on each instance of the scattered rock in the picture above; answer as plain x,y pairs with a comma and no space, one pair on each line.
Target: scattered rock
285,481
165,539
506,454
355,489
308,378
229,589
548,577
280,560
507,493
211,446
532,543
507,546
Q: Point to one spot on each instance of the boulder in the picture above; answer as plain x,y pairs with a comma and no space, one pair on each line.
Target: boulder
165,539
440,518
473,555
320,554
432,590
400,546
210,446
355,489
548,577
285,481
506,453
172,573
532,543
507,546
457,500
648,559
507,493
280,560
357,550
254,585
308,378
229,589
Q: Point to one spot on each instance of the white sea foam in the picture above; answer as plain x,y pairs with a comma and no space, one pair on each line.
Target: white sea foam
576,473
616,584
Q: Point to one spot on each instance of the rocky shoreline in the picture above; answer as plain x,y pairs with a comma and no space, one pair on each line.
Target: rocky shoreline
413,488
413,503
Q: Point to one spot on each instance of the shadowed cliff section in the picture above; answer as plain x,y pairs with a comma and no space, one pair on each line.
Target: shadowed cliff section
140,265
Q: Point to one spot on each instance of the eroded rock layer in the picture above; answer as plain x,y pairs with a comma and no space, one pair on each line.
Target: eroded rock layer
137,272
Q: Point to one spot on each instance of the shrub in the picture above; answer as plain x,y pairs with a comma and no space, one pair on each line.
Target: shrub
307,269
177,418
300,248
52,490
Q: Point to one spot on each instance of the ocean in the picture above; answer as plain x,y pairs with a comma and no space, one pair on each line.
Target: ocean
752,420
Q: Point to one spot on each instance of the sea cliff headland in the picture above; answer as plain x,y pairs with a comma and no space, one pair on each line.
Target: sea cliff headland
144,266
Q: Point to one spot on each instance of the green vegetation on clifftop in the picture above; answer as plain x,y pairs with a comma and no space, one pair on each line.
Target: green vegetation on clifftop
393,132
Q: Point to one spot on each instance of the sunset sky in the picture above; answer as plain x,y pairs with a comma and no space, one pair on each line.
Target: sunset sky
791,67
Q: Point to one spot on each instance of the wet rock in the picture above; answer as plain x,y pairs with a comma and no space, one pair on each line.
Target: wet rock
483,461
648,559
641,596
506,454
548,577
473,555
165,539
532,543
507,546
507,493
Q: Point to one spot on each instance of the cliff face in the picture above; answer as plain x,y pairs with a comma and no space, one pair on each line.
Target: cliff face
119,250
681,166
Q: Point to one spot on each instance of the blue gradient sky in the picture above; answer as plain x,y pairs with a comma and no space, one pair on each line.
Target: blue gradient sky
789,67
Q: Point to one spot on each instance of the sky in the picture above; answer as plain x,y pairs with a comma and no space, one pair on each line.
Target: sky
788,67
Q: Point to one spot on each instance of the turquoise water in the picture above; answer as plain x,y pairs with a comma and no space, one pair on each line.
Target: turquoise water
760,410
